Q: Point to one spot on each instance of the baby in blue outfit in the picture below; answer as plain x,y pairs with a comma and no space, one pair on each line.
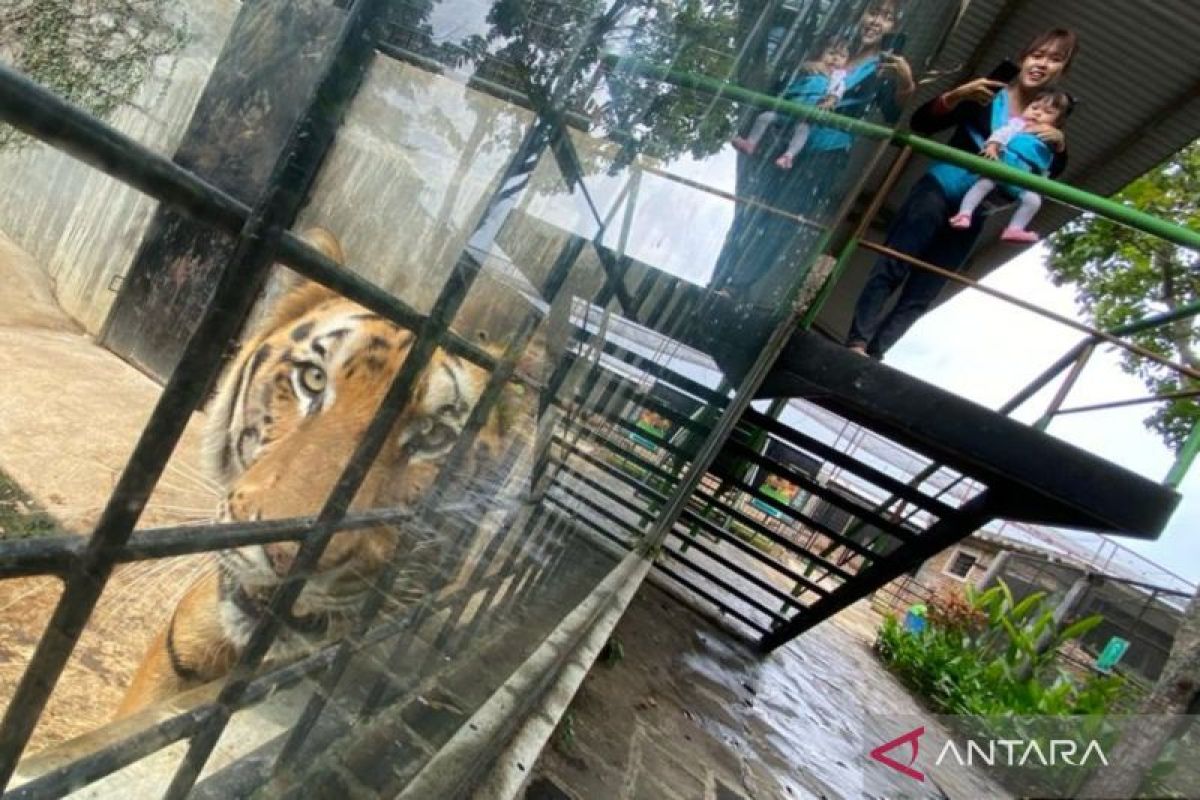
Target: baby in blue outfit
821,84
1013,144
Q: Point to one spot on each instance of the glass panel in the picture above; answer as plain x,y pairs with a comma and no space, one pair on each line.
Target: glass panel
583,174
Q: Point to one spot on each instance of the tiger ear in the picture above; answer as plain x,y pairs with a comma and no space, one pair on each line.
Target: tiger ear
324,240
297,295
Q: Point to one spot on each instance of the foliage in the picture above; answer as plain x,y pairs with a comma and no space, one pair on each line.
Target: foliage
954,613
613,652
94,53
975,664
20,515
662,121
1121,275
529,43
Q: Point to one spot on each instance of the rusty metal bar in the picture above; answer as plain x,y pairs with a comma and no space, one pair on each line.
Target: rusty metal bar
1136,401
1066,386
1070,323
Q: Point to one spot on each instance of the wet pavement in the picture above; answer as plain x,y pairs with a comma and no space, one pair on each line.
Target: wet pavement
691,712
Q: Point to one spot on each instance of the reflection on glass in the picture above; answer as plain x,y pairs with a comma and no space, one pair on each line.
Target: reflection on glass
629,220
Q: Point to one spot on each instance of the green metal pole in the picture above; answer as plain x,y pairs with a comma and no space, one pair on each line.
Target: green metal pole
1157,320
1184,459
1085,201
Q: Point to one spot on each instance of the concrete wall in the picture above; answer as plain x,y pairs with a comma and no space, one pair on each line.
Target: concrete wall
933,580
83,226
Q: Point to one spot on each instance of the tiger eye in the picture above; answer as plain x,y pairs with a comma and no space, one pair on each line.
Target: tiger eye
313,378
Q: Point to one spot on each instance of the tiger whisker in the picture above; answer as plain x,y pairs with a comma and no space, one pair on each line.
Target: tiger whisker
193,473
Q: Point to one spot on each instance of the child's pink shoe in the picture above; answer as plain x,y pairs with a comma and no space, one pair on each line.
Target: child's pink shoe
960,221
1020,235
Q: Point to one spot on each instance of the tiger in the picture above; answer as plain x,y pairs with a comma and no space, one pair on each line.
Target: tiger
285,419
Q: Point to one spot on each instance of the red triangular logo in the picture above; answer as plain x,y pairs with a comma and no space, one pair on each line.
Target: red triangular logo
913,738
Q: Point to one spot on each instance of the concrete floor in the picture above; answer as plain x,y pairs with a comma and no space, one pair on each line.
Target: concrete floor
687,713
70,414
691,714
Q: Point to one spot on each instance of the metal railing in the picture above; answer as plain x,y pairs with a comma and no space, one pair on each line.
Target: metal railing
85,566
1000,172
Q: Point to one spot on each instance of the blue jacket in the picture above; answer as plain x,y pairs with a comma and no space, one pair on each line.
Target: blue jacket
865,90
974,123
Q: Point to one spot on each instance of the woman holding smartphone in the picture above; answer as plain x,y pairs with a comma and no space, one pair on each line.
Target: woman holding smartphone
921,228
876,80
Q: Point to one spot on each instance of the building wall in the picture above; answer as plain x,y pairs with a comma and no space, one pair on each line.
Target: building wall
83,226
933,579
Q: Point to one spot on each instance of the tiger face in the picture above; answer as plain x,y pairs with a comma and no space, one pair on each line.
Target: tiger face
289,413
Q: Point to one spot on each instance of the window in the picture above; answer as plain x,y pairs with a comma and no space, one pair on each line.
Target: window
960,564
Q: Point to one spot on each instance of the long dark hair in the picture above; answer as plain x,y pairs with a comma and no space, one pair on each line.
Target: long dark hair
1068,37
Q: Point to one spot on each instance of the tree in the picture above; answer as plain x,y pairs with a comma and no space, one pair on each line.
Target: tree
94,53
1144,737
1121,275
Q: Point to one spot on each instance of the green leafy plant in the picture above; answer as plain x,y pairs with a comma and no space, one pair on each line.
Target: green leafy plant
1121,275
980,656
94,53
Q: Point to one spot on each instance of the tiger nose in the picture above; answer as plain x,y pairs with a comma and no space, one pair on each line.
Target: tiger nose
281,557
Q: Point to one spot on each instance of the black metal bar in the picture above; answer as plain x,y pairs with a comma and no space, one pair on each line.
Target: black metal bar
601,510
643,513
41,114
694,543
230,304
38,112
113,757
449,474
972,516
721,605
714,529
453,293
474,583
659,371
680,557
54,555
492,597
310,140
848,462
782,541
601,298
761,460
575,517
522,162
43,555
787,544
94,766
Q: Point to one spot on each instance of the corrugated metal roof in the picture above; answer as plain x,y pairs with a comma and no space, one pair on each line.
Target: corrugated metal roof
1137,78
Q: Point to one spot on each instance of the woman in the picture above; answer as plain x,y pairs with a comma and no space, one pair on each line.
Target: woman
759,239
922,228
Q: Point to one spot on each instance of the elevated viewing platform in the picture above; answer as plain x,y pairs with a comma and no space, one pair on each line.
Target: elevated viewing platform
485,313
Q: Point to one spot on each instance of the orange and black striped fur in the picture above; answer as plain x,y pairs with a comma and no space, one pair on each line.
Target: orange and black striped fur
284,422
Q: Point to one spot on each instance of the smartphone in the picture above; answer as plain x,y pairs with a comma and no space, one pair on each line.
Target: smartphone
893,42
1004,72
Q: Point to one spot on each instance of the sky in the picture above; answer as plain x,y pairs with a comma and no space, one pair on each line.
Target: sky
985,350
974,345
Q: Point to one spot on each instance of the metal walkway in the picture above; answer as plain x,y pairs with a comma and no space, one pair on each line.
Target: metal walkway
846,545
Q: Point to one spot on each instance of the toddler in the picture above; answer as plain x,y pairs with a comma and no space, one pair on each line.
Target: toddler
1012,144
822,85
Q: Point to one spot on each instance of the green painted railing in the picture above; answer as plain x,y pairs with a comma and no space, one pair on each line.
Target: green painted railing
1085,201
1056,190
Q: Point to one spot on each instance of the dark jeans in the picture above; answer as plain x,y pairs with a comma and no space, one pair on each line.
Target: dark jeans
921,229
761,241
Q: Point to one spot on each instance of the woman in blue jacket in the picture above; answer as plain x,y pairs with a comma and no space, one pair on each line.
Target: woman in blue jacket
922,228
760,237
